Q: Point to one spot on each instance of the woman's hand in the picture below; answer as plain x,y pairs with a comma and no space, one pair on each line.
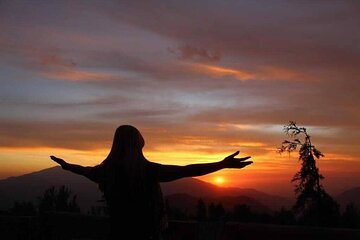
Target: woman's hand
232,162
60,161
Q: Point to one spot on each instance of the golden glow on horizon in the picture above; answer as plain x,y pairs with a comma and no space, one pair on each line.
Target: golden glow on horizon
38,157
182,157
267,164
270,165
248,144
22,160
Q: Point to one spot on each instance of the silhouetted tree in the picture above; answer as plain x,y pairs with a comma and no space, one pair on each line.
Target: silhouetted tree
58,200
313,205
220,211
201,212
351,216
216,211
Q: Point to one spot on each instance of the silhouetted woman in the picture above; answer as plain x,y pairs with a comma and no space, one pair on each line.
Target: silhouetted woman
130,184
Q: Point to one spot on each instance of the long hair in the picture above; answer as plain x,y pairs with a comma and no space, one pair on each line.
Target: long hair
126,179
124,166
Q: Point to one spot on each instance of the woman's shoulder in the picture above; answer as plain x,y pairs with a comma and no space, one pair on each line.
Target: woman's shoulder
98,168
152,168
97,173
152,165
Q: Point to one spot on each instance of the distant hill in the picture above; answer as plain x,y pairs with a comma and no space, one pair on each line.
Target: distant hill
29,186
198,188
350,196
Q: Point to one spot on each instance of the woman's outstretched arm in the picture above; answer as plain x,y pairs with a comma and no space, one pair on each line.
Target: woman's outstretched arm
78,169
168,173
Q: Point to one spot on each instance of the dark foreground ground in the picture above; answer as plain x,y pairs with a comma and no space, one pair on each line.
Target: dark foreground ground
82,227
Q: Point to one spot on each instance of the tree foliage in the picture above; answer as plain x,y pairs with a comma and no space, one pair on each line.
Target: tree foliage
314,206
351,216
59,200
216,211
201,211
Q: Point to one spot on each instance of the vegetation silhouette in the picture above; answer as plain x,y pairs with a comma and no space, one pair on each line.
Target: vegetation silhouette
58,200
53,199
351,216
131,184
313,206
216,211
201,210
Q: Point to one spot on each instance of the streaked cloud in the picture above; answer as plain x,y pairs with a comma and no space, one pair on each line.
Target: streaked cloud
220,72
79,75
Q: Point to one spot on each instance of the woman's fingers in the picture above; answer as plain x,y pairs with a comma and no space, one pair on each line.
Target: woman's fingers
58,160
233,155
55,158
232,162
243,159
248,163
244,164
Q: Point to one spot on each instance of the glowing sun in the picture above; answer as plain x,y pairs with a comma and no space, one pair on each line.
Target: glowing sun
219,180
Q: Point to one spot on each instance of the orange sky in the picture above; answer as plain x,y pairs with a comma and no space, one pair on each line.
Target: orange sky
199,80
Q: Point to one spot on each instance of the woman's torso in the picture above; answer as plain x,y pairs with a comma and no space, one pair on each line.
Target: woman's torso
138,211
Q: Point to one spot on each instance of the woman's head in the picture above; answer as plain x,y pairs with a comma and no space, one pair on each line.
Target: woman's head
127,141
125,162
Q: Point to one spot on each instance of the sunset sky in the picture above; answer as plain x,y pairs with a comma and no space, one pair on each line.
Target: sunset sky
199,79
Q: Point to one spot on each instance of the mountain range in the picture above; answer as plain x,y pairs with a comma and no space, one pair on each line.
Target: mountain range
183,193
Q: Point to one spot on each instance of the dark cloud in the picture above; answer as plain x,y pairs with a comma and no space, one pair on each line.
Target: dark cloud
309,37
187,52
